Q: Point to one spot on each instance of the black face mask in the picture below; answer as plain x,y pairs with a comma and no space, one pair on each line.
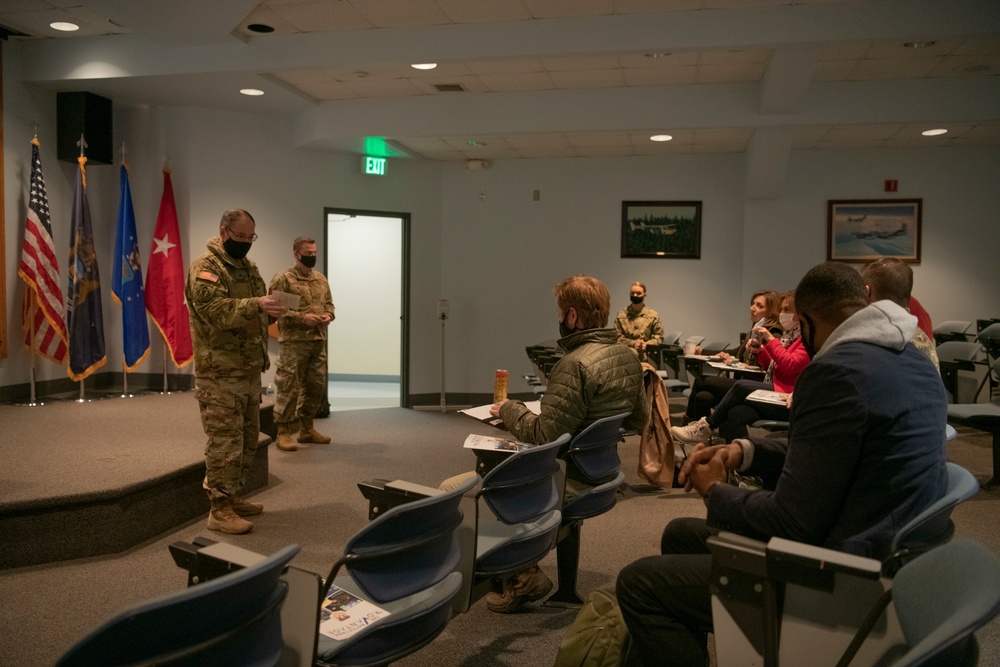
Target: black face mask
636,299
308,261
564,330
236,249
807,334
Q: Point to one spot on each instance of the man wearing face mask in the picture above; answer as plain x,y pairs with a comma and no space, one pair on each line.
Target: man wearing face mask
301,374
230,312
596,378
864,456
637,324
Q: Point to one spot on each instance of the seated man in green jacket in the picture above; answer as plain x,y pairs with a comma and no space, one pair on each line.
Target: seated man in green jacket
598,377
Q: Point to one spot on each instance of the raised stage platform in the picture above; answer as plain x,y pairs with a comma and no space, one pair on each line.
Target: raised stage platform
124,469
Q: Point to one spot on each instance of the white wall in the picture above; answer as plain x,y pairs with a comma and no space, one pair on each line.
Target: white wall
497,261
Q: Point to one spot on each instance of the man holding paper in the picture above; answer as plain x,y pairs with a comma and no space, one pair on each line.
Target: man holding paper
301,374
229,317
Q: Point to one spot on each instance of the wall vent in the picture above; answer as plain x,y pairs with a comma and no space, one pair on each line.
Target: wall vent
450,87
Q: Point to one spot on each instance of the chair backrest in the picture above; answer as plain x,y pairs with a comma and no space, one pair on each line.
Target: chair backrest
952,330
944,596
672,337
409,548
958,351
593,453
234,619
715,346
694,339
989,338
933,526
523,487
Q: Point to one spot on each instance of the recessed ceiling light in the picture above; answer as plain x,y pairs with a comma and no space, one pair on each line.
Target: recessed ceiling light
919,45
475,144
934,133
661,137
64,26
253,92
656,55
424,65
260,27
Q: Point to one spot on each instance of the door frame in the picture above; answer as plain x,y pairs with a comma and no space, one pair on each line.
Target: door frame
404,317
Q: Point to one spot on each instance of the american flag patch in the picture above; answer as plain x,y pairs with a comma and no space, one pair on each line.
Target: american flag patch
207,275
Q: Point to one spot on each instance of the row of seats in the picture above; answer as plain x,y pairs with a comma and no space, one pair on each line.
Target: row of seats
427,555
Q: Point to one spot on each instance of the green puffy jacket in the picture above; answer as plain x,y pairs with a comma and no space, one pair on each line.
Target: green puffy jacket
597,378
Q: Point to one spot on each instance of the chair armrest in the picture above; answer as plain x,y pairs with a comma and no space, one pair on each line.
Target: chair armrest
785,554
383,495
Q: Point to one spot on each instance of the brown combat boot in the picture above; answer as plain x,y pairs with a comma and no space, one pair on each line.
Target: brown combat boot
222,519
308,434
285,442
244,508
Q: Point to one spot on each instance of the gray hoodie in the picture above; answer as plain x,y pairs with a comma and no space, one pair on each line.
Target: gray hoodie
882,323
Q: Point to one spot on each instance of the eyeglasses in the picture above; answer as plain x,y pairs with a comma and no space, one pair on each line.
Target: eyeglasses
242,238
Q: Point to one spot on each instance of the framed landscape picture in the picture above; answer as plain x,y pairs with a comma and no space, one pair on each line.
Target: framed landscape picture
668,229
863,230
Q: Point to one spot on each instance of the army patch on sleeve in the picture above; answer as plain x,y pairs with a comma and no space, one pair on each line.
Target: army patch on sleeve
208,275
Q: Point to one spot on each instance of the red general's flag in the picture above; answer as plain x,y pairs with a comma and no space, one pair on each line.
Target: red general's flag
44,315
165,280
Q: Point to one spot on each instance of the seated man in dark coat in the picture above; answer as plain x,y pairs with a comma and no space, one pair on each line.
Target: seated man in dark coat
864,456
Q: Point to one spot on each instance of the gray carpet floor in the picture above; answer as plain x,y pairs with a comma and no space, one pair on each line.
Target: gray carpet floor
312,500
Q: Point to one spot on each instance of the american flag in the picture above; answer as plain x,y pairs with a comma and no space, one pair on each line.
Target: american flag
44,314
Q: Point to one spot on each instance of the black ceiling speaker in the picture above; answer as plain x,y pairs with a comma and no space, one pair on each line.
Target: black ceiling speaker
89,115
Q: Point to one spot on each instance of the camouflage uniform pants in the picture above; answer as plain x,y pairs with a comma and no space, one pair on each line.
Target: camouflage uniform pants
300,379
230,415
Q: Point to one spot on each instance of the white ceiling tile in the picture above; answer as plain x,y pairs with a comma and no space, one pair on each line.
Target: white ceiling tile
833,70
604,151
893,68
733,56
484,142
329,90
546,152
383,88
321,16
306,76
513,82
982,46
809,135
733,136
843,51
490,153
553,8
608,78
580,63
524,141
976,141
484,11
733,73
724,147
967,65
598,140
669,59
898,50
860,132
368,74
733,4
504,66
471,84
442,70
666,76
649,6
389,13
982,131
679,137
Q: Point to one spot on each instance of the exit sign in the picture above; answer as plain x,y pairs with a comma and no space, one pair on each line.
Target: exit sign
374,165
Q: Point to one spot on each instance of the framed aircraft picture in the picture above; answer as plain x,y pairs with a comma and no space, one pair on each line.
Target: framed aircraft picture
863,230
666,229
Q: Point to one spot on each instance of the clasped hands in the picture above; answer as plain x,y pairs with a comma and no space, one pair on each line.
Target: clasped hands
707,465
314,320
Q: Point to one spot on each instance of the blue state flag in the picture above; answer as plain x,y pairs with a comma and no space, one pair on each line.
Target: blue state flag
84,316
126,283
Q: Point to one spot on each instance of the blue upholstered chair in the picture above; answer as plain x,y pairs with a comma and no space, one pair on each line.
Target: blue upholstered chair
513,521
985,417
234,619
404,562
592,457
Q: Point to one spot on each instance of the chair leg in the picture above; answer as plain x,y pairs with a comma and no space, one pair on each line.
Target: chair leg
996,458
568,563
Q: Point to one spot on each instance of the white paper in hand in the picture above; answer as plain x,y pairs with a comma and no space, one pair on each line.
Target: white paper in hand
289,301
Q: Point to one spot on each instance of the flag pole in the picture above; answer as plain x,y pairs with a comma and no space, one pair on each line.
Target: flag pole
31,350
165,352
83,146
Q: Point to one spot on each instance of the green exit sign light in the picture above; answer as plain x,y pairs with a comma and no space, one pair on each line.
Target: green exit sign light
374,165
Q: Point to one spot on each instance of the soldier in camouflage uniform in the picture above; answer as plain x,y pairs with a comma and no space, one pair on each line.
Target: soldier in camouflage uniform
301,374
229,318
638,325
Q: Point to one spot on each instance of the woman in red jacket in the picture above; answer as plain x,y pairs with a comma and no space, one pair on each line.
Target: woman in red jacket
784,358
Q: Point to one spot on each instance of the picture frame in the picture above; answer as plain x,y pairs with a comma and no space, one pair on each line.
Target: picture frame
661,229
863,230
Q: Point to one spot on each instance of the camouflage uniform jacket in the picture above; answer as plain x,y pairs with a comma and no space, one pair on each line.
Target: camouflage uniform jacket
315,293
228,328
597,378
643,325
926,345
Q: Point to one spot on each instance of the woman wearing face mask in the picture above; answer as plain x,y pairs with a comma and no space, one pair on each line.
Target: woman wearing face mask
785,358
637,324
708,390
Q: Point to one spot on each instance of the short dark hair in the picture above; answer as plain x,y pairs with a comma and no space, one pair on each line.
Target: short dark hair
589,296
828,290
889,278
232,215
